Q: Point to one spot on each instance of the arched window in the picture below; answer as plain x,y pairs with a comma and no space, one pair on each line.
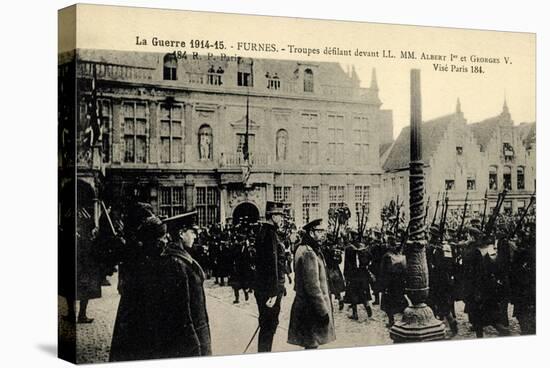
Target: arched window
521,178
308,80
205,143
170,67
281,145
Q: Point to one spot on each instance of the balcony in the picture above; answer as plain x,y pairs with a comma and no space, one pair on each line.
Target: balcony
236,160
115,72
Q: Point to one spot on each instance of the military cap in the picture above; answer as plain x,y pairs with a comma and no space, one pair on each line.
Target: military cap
314,225
475,232
182,221
274,208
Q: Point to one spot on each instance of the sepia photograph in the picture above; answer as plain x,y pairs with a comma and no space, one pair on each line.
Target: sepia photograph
243,194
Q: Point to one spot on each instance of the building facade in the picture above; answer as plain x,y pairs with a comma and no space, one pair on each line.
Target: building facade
467,160
178,131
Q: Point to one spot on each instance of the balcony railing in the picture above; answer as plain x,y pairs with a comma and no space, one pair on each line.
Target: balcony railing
234,159
114,71
117,72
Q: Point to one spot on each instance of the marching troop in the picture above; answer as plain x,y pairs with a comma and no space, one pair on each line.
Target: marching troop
163,263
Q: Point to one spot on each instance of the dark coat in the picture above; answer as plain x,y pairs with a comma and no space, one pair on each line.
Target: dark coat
89,272
162,311
357,275
312,301
481,290
270,262
242,273
333,258
442,282
392,283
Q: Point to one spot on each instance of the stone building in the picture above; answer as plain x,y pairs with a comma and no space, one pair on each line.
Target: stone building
510,152
466,159
176,130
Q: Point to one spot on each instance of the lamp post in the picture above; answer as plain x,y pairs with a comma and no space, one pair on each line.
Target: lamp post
418,322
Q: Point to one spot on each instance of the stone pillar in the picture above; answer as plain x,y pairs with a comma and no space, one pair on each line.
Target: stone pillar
418,322
118,147
154,128
223,204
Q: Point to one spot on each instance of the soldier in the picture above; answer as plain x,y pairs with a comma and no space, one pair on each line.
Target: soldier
333,257
356,272
270,275
481,285
392,273
241,275
523,280
442,281
377,250
311,320
162,312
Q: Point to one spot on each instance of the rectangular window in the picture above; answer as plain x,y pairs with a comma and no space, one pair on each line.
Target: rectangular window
310,139
521,178
493,178
459,150
207,203
336,196
244,79
449,184
310,203
135,132
362,200
507,178
282,194
241,138
471,184
336,139
361,138
106,118
171,201
171,133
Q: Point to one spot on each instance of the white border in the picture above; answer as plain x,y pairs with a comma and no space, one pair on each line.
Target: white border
29,181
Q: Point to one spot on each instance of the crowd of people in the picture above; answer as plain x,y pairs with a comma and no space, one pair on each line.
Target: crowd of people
163,263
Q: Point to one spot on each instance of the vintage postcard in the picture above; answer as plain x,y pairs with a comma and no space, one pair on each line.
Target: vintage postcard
235,184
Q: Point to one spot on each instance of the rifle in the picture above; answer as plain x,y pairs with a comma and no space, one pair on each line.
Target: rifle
491,222
436,209
484,210
523,215
396,224
459,232
108,218
443,219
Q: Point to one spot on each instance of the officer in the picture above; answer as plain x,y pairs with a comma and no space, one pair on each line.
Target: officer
270,274
311,319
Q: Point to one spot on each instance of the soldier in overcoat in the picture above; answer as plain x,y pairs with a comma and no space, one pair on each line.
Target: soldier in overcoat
162,310
311,318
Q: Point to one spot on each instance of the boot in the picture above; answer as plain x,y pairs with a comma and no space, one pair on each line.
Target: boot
354,315
369,310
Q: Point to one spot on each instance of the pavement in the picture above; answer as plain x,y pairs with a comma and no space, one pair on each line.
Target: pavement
232,325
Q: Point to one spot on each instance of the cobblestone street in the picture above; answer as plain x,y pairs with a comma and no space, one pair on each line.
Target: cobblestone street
232,325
